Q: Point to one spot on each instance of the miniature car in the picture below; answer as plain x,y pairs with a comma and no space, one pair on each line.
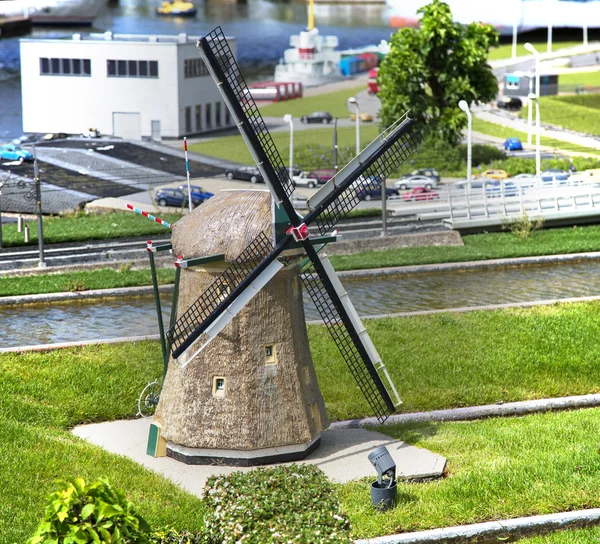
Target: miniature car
10,152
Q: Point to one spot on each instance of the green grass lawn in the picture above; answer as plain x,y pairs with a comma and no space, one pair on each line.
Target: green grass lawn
309,145
498,468
334,103
79,227
492,129
504,51
449,360
590,535
42,396
582,117
579,79
491,245
105,278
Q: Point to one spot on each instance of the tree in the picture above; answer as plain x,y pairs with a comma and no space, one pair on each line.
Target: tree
429,69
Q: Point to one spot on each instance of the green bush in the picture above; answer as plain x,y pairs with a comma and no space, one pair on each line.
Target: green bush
515,165
80,513
294,503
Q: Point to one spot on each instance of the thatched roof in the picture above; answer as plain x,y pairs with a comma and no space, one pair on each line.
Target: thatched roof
225,223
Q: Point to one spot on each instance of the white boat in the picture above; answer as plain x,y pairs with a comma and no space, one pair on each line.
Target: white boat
313,59
525,14
53,12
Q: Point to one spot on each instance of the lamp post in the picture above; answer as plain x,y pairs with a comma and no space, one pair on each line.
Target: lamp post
464,106
529,47
354,102
534,98
514,42
290,121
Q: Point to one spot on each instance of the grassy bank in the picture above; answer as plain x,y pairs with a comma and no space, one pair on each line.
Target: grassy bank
105,278
491,245
82,227
310,146
580,113
492,129
504,51
498,468
450,360
43,396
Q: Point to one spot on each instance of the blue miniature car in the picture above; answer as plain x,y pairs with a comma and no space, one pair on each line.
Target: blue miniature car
513,144
10,152
178,197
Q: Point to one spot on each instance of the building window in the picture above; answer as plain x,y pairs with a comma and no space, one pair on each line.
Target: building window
65,67
188,119
218,113
131,68
194,68
218,389
198,118
208,116
227,117
270,354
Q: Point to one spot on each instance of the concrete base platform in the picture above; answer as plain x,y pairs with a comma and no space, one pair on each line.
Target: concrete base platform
342,454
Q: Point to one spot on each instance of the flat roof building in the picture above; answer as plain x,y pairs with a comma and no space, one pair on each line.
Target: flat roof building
131,86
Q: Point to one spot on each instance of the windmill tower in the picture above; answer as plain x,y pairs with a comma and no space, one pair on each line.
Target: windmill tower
259,270
251,396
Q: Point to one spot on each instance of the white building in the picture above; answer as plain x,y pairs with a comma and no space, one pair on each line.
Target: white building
132,86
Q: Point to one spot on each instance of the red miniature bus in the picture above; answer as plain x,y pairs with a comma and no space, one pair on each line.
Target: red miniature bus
372,85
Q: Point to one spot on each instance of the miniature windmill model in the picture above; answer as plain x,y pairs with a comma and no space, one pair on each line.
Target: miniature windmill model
216,307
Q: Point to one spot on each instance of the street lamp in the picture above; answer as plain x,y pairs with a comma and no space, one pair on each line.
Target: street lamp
290,121
353,101
536,54
533,97
464,106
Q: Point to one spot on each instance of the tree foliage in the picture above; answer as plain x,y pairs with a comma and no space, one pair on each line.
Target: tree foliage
430,68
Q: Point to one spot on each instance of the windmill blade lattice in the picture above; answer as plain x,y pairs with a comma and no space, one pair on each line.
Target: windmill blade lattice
219,295
220,61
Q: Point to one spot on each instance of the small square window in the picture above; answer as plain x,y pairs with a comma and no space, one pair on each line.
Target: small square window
77,67
122,68
111,68
55,66
218,386
143,68
45,66
66,66
87,67
270,354
153,68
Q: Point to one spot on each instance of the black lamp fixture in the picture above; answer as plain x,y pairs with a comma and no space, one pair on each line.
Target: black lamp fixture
384,490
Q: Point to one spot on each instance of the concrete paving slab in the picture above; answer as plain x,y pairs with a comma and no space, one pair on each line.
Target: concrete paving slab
342,454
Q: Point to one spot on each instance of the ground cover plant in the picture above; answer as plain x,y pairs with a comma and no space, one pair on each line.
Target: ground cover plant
83,226
582,115
497,469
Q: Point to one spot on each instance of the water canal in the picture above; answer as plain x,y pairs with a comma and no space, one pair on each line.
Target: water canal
114,318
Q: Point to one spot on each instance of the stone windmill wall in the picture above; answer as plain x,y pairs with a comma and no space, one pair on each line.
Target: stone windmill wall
251,396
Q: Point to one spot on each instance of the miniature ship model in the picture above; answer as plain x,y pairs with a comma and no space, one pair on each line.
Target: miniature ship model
268,264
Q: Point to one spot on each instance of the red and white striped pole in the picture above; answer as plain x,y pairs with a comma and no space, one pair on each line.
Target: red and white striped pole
146,214
187,172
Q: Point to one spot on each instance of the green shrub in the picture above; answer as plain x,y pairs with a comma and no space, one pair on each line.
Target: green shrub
80,513
293,503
